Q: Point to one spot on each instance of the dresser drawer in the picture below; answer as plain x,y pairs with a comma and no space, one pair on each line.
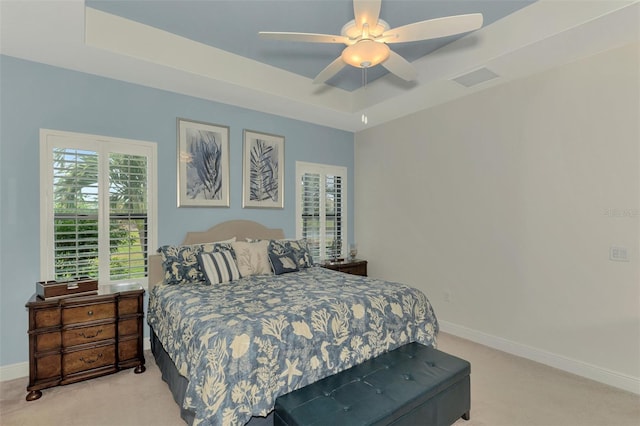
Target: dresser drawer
47,317
353,267
353,270
128,350
47,366
128,305
86,313
76,361
47,341
82,335
128,327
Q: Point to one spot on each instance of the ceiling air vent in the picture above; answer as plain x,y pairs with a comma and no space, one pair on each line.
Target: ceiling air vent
476,77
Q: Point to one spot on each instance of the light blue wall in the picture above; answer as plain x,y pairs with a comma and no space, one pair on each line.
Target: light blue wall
35,96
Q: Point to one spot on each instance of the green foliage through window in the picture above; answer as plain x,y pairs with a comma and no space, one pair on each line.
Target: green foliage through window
76,224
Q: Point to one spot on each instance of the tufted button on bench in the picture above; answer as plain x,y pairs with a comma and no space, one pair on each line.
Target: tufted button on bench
411,385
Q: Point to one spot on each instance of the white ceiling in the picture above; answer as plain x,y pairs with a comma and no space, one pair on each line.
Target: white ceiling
537,37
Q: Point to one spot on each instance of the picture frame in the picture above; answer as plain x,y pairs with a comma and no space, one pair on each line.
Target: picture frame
203,164
262,170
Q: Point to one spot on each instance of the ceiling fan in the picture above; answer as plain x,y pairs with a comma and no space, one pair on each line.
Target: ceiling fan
367,38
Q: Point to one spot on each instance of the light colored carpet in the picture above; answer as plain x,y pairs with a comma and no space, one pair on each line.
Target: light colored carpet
505,391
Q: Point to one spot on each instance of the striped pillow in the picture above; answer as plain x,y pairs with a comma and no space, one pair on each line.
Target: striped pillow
219,267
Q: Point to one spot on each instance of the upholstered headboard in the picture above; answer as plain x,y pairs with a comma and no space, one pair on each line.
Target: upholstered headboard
240,229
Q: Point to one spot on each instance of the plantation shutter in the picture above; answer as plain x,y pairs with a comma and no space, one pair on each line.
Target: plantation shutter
311,226
98,209
75,189
321,209
127,216
333,216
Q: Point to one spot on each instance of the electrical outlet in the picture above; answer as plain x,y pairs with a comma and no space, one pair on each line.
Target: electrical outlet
447,296
618,254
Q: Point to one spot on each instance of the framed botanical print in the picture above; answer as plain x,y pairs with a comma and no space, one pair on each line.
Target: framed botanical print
262,170
203,164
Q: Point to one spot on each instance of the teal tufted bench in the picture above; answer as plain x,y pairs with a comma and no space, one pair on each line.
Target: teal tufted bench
411,385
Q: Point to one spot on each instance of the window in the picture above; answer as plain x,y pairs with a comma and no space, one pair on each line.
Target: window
98,214
321,208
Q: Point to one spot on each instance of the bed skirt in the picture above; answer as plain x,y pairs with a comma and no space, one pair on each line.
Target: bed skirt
178,384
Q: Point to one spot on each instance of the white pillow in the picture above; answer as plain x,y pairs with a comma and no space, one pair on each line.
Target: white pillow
252,258
219,267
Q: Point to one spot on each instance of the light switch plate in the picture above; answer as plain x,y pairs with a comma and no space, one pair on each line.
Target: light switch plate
618,254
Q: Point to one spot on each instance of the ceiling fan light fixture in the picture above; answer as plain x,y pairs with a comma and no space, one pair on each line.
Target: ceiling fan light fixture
365,54
350,29
366,38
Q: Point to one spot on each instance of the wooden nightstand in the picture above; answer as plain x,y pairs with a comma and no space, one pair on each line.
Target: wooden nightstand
353,267
78,338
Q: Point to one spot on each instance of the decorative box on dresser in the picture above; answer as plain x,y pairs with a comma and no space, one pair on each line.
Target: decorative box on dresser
78,338
353,267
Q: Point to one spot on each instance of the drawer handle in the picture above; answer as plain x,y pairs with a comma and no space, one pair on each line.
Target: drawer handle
90,336
90,313
91,361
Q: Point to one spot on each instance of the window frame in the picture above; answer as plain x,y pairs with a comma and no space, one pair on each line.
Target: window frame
323,170
103,145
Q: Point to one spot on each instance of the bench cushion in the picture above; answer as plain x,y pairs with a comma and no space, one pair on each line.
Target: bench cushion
413,384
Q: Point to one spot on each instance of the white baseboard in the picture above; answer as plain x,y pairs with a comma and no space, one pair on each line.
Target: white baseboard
580,368
21,369
14,371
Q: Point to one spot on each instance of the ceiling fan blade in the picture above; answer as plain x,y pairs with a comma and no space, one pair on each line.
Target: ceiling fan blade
305,37
433,28
332,69
366,12
399,66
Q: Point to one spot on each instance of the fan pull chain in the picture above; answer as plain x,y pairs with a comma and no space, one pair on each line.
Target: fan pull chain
364,118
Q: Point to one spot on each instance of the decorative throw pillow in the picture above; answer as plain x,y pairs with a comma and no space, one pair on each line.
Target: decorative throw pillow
252,258
298,248
219,267
283,263
181,264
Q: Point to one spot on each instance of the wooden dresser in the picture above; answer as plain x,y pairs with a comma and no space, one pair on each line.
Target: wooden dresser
78,338
354,267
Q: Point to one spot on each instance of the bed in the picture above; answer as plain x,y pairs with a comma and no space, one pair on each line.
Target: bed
228,349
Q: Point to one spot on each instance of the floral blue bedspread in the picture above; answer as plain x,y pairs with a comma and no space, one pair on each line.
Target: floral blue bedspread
243,343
